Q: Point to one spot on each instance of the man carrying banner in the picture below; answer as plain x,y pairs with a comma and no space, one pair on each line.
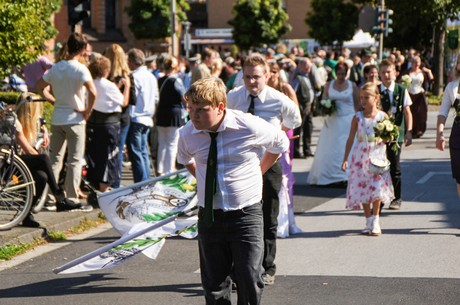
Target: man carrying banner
220,148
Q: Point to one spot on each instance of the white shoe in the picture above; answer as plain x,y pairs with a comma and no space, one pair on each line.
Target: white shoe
367,230
375,231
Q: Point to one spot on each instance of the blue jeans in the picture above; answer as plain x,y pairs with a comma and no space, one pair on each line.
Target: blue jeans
123,135
138,151
232,245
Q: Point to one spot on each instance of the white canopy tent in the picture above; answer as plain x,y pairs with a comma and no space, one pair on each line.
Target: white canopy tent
360,40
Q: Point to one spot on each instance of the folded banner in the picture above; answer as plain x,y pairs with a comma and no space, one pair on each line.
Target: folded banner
149,201
145,214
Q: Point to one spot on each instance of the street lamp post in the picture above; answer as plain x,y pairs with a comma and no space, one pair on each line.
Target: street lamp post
187,38
173,28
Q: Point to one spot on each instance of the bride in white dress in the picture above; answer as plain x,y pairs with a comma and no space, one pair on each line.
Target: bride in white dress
326,168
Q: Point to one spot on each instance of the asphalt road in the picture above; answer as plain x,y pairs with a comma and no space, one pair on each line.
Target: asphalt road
415,261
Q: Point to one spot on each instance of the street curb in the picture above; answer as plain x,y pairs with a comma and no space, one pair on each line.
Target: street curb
41,232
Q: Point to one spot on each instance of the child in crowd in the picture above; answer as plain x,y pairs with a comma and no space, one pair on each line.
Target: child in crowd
365,187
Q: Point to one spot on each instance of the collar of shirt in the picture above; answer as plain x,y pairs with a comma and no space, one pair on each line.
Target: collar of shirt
261,96
391,88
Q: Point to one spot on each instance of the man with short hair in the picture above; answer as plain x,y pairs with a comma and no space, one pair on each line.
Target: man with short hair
305,84
68,79
258,98
395,101
141,114
203,70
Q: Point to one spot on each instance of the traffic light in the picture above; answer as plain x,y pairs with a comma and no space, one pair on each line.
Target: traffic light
382,21
388,22
78,11
379,23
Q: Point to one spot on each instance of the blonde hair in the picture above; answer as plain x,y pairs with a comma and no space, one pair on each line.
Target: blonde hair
372,89
216,67
210,91
99,67
170,63
29,114
117,57
254,60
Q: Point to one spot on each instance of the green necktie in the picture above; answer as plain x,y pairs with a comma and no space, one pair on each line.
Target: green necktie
251,105
211,181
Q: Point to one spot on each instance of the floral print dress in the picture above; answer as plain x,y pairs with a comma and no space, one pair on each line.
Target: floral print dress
364,186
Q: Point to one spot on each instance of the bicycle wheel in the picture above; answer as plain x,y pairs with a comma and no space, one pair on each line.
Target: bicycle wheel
16,191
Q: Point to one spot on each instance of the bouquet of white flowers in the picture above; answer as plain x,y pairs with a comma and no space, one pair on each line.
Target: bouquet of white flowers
387,131
406,80
327,107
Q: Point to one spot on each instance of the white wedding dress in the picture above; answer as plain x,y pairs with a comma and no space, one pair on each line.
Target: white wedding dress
326,168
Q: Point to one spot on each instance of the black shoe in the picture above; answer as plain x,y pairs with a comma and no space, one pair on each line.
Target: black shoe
30,222
309,154
395,204
66,205
299,155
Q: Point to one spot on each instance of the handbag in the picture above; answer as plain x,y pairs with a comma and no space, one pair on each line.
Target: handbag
377,165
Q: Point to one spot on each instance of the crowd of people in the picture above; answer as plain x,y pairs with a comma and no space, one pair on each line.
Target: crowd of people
245,112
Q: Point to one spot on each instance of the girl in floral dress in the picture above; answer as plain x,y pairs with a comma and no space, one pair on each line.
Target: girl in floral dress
364,187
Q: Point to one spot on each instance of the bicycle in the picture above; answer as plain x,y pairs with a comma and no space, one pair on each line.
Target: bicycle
17,186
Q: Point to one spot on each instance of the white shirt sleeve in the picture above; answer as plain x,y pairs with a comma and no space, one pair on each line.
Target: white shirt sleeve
448,98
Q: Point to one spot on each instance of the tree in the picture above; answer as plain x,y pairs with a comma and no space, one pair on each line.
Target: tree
25,25
151,19
423,24
258,22
332,21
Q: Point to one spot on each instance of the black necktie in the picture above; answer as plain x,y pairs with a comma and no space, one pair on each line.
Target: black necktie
251,105
211,181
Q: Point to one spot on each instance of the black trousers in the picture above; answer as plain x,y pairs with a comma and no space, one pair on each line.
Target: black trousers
271,206
395,167
304,131
40,167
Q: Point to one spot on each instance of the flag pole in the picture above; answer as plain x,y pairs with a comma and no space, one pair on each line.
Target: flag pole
123,239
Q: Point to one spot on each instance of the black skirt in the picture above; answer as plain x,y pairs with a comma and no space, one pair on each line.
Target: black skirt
454,147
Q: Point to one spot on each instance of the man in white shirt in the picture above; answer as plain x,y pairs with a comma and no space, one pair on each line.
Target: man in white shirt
146,88
276,108
230,241
68,79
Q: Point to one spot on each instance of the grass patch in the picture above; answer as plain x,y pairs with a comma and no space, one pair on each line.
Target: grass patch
434,100
11,250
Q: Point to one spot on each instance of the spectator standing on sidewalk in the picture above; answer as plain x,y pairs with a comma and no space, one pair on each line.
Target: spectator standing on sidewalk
220,147
146,93
276,108
118,70
68,79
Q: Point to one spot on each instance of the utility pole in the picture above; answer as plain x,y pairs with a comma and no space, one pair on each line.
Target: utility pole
173,28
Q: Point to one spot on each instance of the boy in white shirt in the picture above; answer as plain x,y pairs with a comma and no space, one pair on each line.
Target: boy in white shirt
230,223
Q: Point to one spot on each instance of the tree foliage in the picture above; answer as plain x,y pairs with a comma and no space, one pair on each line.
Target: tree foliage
151,19
25,25
258,22
332,20
413,22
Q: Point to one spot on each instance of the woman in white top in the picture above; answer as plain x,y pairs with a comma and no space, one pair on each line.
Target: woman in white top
451,97
327,165
103,127
419,107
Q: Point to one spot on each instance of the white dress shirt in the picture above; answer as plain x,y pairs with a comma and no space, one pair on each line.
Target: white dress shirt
448,99
147,97
240,138
270,105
